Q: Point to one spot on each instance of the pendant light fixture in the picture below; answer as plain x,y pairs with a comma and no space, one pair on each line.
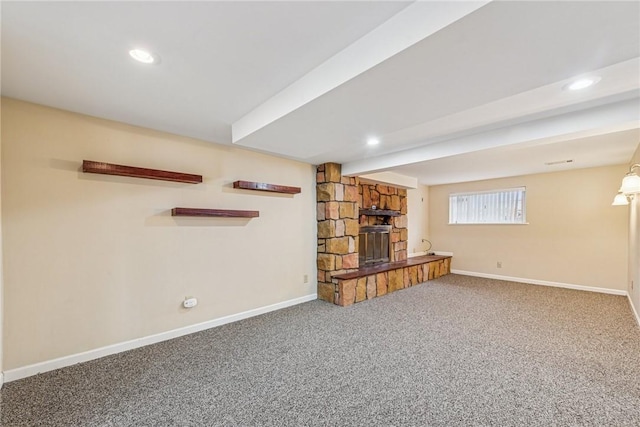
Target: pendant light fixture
629,188
620,200
631,181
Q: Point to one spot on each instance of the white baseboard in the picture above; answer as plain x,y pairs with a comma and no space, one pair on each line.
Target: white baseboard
50,365
541,282
633,308
1,380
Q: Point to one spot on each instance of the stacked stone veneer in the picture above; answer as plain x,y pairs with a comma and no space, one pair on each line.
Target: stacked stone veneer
392,198
337,215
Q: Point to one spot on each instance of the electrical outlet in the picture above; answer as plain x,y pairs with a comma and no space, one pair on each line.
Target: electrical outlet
306,278
499,264
190,302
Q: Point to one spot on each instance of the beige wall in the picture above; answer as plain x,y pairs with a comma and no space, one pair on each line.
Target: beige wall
418,219
1,270
574,235
93,260
634,244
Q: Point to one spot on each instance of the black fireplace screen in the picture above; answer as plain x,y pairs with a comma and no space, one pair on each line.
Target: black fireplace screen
374,244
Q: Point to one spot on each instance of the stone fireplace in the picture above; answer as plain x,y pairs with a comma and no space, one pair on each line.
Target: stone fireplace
344,206
362,240
385,205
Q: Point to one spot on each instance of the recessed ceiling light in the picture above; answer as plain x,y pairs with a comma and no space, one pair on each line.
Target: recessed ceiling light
582,83
143,56
373,141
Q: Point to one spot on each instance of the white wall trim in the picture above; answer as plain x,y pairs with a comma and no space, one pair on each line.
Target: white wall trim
1,379
50,365
541,282
633,308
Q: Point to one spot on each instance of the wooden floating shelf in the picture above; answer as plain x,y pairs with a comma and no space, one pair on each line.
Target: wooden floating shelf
261,186
220,213
89,166
379,212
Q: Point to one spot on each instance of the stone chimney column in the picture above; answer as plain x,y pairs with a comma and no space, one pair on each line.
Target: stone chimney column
338,227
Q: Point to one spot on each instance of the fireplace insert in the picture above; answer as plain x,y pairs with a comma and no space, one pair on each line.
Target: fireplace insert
374,244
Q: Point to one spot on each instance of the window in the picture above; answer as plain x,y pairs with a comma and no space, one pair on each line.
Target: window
488,207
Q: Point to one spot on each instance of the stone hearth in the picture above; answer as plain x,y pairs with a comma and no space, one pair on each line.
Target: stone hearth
382,279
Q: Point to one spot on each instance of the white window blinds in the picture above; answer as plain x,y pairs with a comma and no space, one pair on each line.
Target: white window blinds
488,207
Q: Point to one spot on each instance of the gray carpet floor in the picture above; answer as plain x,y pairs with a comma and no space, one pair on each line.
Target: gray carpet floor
456,351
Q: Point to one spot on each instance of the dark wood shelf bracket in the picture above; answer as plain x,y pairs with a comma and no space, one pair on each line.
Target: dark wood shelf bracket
261,186
89,166
219,213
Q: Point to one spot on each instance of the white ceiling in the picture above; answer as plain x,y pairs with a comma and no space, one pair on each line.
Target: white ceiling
455,91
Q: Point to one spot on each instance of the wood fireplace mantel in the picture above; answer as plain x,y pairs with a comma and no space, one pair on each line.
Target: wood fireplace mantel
379,212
